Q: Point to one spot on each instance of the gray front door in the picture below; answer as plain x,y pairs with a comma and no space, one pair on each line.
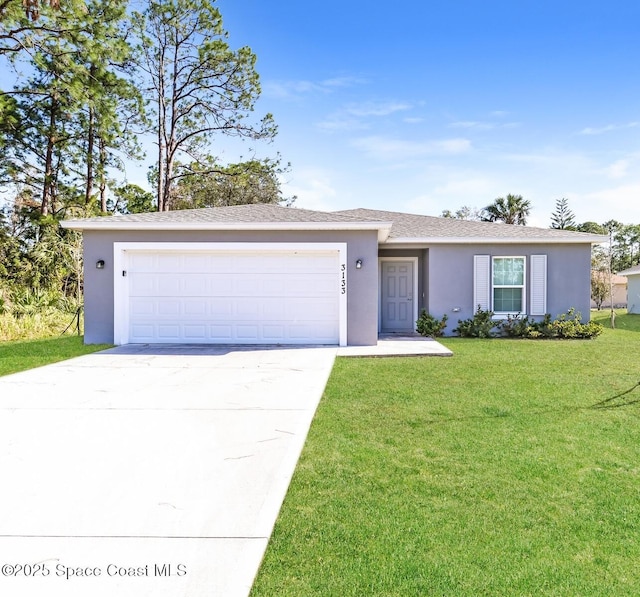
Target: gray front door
397,297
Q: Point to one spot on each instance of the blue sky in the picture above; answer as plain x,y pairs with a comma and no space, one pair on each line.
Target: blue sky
422,106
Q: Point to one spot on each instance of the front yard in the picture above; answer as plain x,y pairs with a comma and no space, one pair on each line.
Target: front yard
512,468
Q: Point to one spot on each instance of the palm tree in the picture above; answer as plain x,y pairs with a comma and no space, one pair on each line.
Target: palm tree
512,209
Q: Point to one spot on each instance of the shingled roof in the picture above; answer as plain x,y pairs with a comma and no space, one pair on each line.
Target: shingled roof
253,213
412,227
392,227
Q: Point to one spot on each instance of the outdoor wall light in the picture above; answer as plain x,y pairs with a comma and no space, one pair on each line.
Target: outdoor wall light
359,264
100,264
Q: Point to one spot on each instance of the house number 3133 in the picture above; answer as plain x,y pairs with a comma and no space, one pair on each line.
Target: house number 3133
343,279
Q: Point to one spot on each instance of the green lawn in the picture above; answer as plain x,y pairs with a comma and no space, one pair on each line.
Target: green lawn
19,356
512,468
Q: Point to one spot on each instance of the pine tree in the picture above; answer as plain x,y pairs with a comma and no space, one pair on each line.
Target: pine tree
562,218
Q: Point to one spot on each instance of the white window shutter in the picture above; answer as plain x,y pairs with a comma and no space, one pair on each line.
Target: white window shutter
538,291
481,282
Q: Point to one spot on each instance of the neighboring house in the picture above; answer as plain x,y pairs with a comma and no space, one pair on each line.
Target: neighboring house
619,284
266,274
633,288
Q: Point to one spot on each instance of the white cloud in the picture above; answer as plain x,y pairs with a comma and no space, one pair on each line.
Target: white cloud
341,122
461,188
471,124
313,189
385,148
608,128
618,203
483,125
618,169
354,116
296,89
376,109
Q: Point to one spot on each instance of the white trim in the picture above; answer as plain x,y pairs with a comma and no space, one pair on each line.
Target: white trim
421,242
121,287
112,223
502,314
414,261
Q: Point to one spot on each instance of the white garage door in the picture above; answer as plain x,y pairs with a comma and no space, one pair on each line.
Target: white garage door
280,297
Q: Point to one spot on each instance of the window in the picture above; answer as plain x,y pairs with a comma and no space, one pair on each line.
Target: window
500,284
508,284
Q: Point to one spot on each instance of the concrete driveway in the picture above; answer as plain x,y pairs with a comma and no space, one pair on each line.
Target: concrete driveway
152,471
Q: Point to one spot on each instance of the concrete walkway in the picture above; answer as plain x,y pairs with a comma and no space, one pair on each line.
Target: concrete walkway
398,345
150,471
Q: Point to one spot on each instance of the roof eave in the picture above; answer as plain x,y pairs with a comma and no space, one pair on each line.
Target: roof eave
383,228
483,240
629,272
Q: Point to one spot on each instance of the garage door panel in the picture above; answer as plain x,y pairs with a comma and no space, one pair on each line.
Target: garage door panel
193,284
234,298
142,261
169,262
169,308
142,284
195,332
221,308
143,331
274,333
168,332
168,285
247,308
274,308
142,306
223,333
247,332
196,307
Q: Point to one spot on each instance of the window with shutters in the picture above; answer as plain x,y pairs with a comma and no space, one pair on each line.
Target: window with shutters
508,284
504,284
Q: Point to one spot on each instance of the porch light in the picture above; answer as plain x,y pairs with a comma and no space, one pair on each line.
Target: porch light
100,264
359,264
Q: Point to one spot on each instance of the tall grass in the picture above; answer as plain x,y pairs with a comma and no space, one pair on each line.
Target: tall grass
27,314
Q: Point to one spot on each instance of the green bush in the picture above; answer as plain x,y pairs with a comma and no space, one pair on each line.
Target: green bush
428,325
481,325
516,326
567,326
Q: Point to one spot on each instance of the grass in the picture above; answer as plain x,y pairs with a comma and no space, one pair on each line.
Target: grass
512,468
23,355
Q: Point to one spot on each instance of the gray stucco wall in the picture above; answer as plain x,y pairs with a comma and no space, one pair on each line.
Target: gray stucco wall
450,277
362,291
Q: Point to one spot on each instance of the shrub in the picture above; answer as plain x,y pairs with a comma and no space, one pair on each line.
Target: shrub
567,326
481,325
428,325
516,326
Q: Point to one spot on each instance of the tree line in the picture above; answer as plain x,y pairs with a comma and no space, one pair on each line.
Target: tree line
96,82
513,209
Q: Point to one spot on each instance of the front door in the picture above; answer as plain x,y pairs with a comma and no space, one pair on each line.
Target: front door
397,300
